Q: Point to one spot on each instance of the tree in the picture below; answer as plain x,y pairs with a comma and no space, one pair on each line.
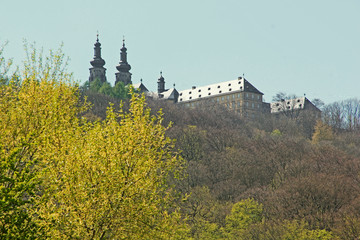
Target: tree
281,96
243,214
322,132
111,179
33,111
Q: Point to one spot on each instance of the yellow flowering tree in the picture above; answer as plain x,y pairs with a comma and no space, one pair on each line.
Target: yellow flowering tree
36,106
109,179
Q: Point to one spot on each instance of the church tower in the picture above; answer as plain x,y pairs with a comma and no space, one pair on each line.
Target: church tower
123,74
97,70
161,84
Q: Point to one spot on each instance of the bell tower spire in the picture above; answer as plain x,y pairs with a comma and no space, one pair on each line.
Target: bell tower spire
123,74
97,70
161,83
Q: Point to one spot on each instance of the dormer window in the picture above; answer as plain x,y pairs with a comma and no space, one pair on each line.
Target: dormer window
180,94
190,97
229,89
239,82
229,84
219,86
190,92
199,90
180,99
220,91
209,89
200,95
209,94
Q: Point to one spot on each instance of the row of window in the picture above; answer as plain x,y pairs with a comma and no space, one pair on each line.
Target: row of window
233,96
232,105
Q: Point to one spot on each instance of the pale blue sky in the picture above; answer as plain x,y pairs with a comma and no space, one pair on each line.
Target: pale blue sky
307,46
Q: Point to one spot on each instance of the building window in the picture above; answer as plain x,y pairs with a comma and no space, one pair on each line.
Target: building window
247,95
258,97
220,91
239,82
209,88
252,96
219,86
209,93
252,105
190,92
238,104
180,94
233,96
200,95
222,98
258,105
190,97
229,89
199,90
238,95
217,99
247,104
180,99
227,97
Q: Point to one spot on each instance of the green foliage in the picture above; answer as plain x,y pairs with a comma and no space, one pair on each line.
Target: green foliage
113,179
295,230
243,214
32,113
119,91
276,133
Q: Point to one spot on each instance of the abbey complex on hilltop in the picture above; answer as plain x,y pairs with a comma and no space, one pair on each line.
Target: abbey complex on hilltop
238,95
